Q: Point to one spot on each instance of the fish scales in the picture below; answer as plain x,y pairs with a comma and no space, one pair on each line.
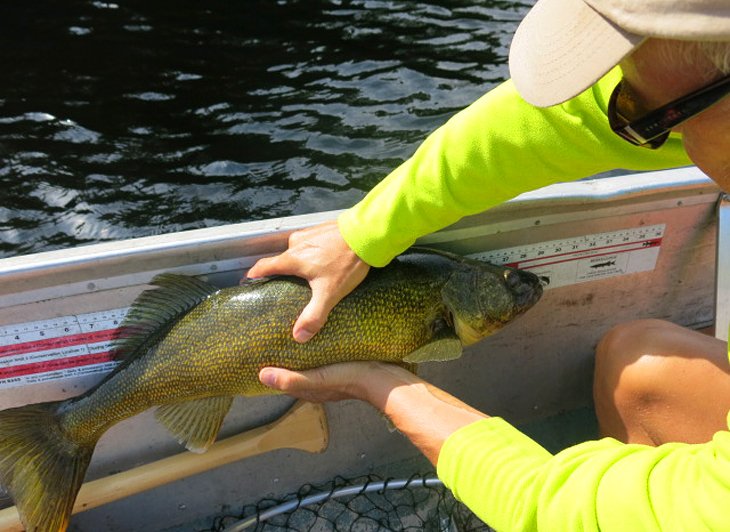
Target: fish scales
219,347
190,348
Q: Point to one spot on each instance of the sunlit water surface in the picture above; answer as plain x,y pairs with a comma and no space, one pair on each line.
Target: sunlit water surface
136,118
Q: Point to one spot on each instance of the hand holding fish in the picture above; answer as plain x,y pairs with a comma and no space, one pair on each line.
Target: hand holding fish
424,413
334,382
320,255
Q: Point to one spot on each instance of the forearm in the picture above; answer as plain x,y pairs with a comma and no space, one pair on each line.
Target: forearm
513,483
426,415
423,413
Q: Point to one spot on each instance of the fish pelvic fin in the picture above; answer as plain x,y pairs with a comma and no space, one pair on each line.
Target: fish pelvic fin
40,466
196,423
156,310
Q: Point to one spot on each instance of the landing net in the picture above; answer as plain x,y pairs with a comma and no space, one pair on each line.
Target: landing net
363,504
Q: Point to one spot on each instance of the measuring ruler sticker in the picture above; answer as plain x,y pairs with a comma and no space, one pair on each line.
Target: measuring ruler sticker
58,348
586,258
70,346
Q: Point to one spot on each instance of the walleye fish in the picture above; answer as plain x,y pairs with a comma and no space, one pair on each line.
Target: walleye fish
188,348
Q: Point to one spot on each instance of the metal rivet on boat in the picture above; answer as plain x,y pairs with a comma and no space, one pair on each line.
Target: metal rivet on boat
213,267
91,286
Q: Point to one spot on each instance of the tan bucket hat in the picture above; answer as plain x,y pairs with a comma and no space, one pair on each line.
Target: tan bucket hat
562,47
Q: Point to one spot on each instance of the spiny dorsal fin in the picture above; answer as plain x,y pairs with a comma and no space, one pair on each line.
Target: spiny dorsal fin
155,310
195,423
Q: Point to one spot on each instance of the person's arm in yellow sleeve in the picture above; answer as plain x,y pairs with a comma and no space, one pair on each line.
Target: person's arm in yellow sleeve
495,149
511,482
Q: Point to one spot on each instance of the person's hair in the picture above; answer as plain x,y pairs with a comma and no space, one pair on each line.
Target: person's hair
718,52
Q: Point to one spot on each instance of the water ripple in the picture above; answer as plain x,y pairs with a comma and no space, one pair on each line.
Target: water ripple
128,119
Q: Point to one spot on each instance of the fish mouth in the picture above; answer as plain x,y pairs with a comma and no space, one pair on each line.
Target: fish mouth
526,287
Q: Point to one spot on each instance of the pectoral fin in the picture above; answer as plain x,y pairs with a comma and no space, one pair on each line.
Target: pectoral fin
195,423
440,349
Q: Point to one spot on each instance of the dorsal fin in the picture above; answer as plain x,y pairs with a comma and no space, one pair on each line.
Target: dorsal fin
156,310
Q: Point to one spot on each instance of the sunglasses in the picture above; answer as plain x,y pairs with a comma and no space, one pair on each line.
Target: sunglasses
651,129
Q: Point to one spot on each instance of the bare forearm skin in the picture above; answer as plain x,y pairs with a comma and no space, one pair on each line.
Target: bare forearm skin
425,414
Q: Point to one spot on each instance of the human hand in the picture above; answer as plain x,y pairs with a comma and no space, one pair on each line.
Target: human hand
320,255
421,411
346,380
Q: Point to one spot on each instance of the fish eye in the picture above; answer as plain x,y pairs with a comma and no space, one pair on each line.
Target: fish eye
512,278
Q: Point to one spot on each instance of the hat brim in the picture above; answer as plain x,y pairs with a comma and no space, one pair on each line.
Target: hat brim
561,48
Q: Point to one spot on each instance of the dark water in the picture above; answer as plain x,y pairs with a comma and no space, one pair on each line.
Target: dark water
144,117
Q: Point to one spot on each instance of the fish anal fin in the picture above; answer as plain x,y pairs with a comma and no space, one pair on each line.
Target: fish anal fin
438,350
196,423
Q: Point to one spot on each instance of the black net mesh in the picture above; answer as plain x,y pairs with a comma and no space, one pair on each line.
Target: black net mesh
364,504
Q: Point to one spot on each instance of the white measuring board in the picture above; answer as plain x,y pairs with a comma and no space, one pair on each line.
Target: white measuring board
58,348
585,258
75,345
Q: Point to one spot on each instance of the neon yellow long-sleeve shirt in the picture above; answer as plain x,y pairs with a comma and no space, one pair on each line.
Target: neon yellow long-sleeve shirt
495,149
513,484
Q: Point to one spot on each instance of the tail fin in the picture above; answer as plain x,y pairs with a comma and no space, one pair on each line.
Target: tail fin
40,466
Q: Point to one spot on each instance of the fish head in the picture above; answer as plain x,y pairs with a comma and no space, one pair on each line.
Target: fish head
481,297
